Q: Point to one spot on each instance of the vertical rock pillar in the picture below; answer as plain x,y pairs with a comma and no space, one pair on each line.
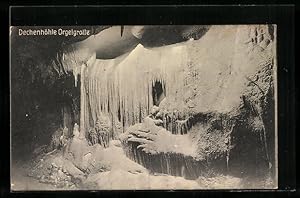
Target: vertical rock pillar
82,101
84,110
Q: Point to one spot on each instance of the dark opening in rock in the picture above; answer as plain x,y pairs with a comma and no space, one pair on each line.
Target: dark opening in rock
158,93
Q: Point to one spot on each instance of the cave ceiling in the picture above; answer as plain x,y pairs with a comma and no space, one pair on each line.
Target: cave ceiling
37,54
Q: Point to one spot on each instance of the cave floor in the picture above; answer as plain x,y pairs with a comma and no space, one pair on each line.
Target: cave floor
20,181
124,174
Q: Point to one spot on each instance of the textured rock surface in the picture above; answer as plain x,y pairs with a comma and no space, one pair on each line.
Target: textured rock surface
227,105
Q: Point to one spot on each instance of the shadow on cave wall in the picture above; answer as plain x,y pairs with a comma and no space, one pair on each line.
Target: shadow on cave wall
253,154
158,93
38,111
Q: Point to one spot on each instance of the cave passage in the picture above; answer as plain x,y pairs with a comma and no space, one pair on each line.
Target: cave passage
158,93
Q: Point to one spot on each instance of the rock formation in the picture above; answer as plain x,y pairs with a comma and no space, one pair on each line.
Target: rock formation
194,109
221,84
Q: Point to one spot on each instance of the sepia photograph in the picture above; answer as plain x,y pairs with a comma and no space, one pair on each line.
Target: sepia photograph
148,107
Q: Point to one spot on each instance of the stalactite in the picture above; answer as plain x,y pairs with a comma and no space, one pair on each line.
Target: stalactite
75,74
124,85
82,100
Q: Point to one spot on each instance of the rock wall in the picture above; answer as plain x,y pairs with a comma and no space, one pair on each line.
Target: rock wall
227,105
